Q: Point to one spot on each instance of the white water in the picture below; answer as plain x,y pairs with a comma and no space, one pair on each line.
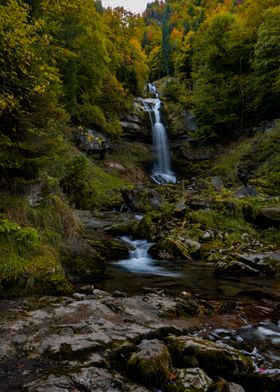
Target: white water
141,262
162,172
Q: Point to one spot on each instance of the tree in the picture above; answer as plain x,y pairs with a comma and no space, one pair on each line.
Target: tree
30,113
217,74
266,66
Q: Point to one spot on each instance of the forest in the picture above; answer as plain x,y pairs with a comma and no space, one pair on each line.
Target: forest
84,198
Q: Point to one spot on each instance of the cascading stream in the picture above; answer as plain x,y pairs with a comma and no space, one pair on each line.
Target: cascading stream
162,172
141,262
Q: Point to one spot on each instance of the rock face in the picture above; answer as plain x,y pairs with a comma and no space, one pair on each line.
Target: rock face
245,265
151,364
142,199
136,125
214,358
81,262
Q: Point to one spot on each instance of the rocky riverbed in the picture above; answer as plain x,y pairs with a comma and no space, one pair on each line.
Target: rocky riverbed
101,341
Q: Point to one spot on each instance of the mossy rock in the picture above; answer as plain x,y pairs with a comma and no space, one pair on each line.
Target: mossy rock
142,199
150,226
40,274
107,246
181,245
214,358
151,364
189,380
81,262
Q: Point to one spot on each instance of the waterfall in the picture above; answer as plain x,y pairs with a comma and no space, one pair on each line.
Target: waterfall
162,172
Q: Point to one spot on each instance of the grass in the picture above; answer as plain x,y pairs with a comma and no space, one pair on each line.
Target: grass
227,164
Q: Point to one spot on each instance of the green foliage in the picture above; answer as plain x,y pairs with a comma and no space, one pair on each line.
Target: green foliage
266,66
29,111
227,52
216,75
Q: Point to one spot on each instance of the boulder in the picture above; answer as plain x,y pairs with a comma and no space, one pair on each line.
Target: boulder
142,199
274,260
80,261
176,246
90,141
246,191
217,182
151,364
214,358
109,247
244,264
269,216
189,380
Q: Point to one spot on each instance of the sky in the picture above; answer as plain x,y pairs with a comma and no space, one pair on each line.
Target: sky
131,5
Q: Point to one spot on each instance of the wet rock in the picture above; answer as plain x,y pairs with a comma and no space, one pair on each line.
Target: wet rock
142,199
88,379
246,191
80,261
151,364
214,358
244,265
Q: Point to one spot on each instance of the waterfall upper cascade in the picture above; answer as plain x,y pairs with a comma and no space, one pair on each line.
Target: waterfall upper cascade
162,172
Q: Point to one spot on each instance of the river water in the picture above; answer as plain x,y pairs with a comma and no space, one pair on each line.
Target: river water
255,299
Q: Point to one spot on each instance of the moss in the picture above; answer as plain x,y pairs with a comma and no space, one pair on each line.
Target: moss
29,242
39,273
212,357
217,220
131,154
151,365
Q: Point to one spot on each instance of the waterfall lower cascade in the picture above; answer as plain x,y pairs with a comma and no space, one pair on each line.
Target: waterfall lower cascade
141,262
162,172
